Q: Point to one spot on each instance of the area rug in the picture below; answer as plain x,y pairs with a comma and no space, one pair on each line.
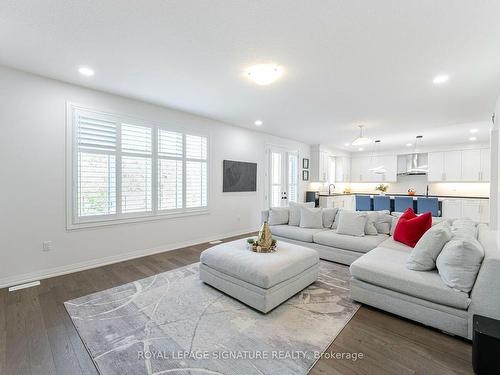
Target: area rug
172,323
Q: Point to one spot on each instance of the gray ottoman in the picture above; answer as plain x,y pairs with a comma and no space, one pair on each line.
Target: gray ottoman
262,281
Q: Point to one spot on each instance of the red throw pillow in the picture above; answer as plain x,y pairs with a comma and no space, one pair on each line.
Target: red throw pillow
410,227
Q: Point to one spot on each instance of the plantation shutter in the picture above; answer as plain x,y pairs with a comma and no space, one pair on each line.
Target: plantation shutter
170,170
96,140
196,171
136,168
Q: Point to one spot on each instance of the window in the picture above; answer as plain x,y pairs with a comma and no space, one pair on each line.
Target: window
124,169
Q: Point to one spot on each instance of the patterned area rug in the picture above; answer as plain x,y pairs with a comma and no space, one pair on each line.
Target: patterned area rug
174,323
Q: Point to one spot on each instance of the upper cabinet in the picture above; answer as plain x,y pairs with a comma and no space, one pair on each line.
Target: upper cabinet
322,164
342,169
459,165
381,168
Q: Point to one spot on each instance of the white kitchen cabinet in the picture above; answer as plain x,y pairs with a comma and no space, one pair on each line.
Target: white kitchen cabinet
342,169
436,166
474,209
342,201
451,208
471,165
320,164
390,164
452,165
485,165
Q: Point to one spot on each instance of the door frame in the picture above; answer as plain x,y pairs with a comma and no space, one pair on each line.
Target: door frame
284,173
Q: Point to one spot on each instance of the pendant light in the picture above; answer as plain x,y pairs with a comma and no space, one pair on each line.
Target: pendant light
379,169
361,140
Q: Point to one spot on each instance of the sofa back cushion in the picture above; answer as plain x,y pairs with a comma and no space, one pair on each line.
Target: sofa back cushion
278,216
459,262
294,215
410,227
351,223
423,256
311,218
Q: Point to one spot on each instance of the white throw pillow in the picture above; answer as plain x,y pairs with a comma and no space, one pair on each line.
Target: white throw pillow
424,254
294,215
336,219
383,223
459,263
311,218
329,216
464,228
278,216
352,223
372,217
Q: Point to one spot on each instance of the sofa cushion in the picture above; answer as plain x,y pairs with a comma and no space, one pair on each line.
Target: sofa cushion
262,270
411,228
278,216
342,241
459,262
423,256
352,223
294,233
311,218
294,212
329,216
386,267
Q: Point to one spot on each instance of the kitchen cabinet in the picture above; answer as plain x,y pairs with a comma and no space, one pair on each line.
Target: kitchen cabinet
361,168
342,169
471,165
474,209
445,166
485,165
320,165
342,201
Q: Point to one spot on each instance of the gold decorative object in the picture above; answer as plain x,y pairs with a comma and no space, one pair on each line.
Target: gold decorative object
265,242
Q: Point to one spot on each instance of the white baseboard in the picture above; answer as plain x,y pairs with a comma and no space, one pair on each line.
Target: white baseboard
94,263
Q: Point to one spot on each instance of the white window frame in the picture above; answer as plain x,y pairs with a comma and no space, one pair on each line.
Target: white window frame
75,222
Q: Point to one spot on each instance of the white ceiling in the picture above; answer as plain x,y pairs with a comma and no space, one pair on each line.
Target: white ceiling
347,62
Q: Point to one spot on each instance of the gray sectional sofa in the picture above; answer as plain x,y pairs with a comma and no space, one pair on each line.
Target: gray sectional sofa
381,279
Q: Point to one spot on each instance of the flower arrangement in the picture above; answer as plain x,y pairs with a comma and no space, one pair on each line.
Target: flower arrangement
411,191
382,188
254,246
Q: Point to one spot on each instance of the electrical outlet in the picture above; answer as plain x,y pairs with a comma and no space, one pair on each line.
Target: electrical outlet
47,245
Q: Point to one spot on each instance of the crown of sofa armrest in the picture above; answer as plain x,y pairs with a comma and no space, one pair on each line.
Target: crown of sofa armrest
485,296
264,216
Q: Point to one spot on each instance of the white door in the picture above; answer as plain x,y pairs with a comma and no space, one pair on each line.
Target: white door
283,177
471,165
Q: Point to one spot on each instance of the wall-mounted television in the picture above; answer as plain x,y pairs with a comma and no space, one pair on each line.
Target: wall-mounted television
239,176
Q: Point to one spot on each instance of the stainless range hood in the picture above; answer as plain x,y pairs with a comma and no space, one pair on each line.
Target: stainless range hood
412,164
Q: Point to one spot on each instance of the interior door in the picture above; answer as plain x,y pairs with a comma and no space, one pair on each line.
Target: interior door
283,177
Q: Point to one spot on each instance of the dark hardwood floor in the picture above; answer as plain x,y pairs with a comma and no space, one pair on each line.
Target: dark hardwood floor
38,337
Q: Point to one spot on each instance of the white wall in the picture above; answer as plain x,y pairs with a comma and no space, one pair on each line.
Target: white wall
32,173
495,179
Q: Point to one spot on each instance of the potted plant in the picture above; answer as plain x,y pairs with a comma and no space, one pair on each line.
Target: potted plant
382,188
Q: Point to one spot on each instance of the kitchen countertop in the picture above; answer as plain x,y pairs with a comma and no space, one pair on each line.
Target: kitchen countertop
322,194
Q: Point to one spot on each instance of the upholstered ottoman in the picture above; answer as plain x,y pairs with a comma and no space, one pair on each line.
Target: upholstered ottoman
260,280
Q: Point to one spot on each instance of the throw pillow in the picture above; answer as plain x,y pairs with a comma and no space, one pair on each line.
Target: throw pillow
464,228
294,215
423,256
336,220
371,218
352,223
411,228
278,216
329,216
459,263
383,223
311,218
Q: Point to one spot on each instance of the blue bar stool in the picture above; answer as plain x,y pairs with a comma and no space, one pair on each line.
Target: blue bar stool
402,203
428,205
363,203
381,202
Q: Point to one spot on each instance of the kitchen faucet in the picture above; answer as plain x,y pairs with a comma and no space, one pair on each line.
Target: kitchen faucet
329,188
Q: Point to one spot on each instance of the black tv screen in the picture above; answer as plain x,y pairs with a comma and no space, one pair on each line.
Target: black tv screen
239,176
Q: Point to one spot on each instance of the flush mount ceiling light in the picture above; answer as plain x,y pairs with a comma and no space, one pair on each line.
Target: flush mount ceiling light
258,122
440,79
264,74
361,140
86,71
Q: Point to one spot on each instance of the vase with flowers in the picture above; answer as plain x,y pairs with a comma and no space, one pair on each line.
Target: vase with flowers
382,188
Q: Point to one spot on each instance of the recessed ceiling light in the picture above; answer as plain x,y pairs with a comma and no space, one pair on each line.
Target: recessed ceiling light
264,74
409,145
258,122
472,139
473,131
86,71
347,144
440,79
361,149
